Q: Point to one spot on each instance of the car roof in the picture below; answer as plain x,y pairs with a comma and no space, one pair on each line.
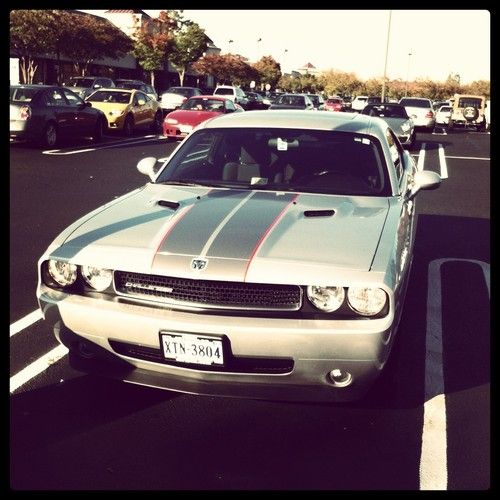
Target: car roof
209,96
346,122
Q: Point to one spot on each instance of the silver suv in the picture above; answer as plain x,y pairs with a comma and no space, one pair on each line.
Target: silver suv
85,85
234,93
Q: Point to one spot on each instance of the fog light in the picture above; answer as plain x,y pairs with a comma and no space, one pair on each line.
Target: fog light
340,378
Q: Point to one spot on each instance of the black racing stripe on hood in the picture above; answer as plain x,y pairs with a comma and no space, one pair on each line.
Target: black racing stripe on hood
243,231
192,232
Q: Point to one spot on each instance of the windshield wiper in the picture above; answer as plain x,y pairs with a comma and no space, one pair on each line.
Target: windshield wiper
189,183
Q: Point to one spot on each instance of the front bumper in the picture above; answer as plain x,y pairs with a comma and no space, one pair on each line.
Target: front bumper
315,348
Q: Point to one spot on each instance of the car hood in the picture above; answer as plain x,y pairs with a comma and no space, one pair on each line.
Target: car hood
192,117
237,235
106,107
396,123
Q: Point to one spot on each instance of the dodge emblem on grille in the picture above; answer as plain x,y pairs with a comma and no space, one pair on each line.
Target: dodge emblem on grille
199,264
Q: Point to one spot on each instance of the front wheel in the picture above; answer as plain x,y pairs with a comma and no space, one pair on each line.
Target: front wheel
156,126
128,126
99,130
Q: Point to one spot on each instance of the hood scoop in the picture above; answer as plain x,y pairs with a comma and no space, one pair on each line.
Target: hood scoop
319,213
169,204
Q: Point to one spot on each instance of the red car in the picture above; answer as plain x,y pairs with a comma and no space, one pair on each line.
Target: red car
197,109
334,104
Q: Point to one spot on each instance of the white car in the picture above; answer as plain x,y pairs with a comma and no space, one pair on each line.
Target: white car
443,115
421,111
174,97
359,103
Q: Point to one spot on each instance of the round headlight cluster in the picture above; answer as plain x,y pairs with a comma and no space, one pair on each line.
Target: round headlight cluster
326,298
63,273
99,279
366,301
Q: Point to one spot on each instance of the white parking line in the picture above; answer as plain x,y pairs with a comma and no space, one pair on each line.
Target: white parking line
146,138
442,162
433,459
421,157
23,323
37,367
468,158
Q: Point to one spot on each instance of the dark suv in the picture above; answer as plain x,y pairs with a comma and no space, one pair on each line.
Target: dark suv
85,85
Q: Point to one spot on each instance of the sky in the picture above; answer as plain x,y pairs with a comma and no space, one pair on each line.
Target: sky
422,43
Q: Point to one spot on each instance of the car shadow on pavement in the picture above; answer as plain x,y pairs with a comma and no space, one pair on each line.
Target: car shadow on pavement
52,413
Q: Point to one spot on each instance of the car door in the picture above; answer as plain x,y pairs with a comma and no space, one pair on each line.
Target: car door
84,116
60,110
140,109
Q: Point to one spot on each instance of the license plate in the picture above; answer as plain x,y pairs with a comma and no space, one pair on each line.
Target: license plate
185,129
189,348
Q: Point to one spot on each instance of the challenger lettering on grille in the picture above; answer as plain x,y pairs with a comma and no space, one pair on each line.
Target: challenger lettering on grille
147,286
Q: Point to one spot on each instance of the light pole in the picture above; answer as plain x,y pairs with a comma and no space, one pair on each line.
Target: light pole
284,58
407,74
229,45
258,47
386,54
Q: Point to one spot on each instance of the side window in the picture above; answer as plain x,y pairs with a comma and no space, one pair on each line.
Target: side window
55,98
396,153
73,99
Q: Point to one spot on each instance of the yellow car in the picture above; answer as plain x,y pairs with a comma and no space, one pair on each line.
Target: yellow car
127,109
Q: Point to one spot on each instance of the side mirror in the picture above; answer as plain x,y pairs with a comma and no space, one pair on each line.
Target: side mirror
424,179
146,166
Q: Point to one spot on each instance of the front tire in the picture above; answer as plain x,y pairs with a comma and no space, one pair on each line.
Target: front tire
100,126
156,126
128,126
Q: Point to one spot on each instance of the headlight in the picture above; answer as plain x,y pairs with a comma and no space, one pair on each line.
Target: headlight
99,279
172,121
405,127
326,298
63,273
116,112
366,301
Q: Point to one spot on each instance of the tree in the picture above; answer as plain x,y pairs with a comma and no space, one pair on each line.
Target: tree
153,40
85,38
269,71
31,36
188,45
228,69
336,82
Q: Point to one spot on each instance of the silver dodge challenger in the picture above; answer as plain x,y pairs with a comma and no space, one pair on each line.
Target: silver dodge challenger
267,257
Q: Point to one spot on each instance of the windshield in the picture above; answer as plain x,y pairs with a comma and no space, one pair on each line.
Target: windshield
465,102
80,82
205,104
386,111
291,100
186,92
299,160
224,91
110,96
416,103
129,85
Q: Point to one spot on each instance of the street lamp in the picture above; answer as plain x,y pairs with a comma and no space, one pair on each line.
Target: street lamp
284,58
407,74
229,45
386,54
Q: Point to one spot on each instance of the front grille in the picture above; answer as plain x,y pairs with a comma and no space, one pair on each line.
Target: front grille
208,294
233,364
